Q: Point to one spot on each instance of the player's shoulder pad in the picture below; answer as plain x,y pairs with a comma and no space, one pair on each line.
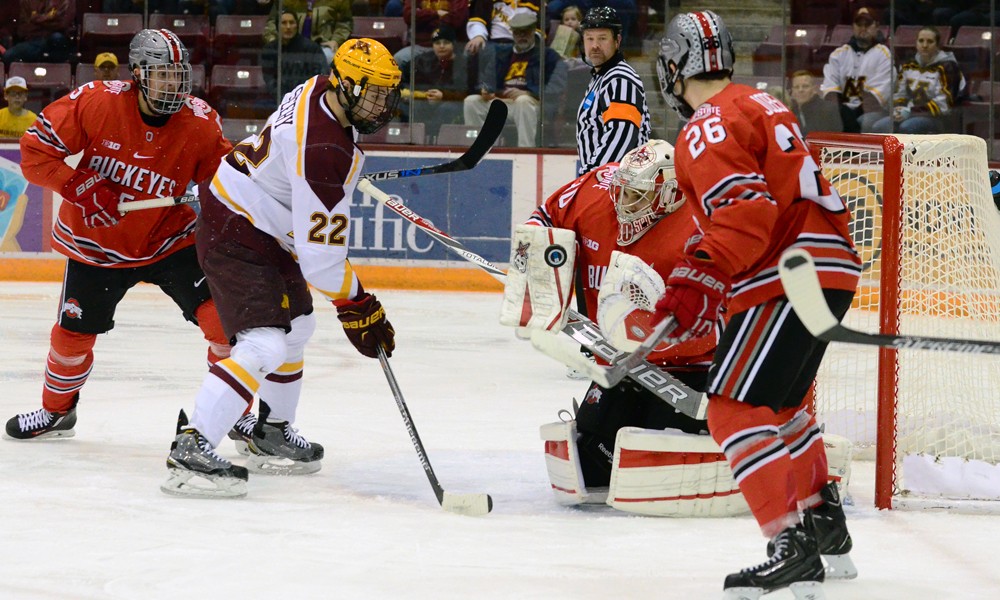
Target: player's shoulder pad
198,107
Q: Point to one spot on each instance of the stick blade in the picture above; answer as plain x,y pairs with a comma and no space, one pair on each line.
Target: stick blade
801,283
470,505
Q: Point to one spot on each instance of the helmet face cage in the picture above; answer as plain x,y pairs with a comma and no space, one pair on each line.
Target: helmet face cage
369,78
644,188
695,43
164,69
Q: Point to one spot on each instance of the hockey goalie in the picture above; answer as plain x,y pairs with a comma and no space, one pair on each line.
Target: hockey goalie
624,446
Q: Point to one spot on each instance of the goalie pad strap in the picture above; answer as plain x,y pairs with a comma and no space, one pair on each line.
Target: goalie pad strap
540,279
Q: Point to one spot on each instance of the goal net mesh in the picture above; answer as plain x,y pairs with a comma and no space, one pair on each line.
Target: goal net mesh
948,258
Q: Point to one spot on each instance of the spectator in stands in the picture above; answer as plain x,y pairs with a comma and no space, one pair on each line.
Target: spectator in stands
431,14
326,22
489,21
105,67
566,41
301,58
928,88
15,119
513,74
626,9
813,112
441,82
43,32
859,74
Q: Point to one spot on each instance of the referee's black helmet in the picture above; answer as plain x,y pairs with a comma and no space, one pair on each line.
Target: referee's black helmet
602,17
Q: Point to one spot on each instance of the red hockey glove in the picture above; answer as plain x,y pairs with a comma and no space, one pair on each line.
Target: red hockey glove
96,197
365,325
694,296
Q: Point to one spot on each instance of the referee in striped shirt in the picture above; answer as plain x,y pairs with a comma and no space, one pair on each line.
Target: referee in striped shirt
613,117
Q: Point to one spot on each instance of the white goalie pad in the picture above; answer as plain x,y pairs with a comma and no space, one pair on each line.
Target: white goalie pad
626,300
669,473
563,464
540,279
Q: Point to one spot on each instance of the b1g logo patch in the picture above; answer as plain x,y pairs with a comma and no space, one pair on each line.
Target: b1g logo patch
555,256
71,308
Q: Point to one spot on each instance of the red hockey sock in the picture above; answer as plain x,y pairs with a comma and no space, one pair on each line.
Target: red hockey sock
211,326
761,464
68,365
804,441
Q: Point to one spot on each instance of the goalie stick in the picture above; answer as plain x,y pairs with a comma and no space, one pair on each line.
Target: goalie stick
475,505
798,277
579,327
492,127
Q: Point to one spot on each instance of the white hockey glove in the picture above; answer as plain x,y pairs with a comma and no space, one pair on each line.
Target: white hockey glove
626,300
540,279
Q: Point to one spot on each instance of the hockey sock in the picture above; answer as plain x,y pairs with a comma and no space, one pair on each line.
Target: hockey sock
804,441
211,326
760,461
281,391
67,367
225,395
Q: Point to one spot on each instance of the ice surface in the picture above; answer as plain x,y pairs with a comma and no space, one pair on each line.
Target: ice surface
83,518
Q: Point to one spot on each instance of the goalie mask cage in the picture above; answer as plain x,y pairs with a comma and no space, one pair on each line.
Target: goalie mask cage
928,232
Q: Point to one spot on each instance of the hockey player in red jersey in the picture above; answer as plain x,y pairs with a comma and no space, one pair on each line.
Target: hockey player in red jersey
140,139
275,219
743,163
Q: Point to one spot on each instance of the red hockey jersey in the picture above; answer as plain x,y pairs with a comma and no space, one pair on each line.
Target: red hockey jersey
101,119
585,206
744,167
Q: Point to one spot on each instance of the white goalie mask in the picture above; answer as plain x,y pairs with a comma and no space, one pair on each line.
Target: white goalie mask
644,189
164,69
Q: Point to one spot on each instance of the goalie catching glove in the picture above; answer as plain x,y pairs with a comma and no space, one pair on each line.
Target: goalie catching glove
694,296
96,197
625,303
365,325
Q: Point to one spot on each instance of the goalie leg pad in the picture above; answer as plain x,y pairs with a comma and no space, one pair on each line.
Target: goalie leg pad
562,460
540,279
669,473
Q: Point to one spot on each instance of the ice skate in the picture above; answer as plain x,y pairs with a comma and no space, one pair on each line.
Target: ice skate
828,525
242,433
277,448
795,563
41,424
197,471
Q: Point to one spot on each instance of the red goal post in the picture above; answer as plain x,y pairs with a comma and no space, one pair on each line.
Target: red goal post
928,233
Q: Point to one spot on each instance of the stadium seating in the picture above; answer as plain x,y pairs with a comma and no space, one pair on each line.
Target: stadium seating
905,42
46,81
772,85
391,31
839,35
238,39
109,32
237,130
396,133
798,43
85,73
452,134
193,30
239,92
972,48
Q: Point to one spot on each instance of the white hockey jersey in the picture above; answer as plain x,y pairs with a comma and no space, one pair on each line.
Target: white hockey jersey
852,72
294,180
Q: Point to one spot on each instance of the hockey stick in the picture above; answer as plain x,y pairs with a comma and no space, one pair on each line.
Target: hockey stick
579,327
475,505
493,126
798,277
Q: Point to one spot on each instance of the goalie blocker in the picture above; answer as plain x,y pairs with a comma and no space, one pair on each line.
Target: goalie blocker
540,279
663,473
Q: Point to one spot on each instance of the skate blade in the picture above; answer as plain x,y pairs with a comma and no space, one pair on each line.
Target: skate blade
51,435
803,590
840,566
189,484
275,465
241,447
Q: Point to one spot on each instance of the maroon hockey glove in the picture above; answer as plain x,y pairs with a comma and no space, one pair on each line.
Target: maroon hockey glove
694,296
365,325
96,197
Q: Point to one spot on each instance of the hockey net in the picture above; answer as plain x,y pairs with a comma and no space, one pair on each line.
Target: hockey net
925,224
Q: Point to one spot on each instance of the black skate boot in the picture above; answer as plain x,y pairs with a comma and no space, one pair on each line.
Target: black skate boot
242,433
828,525
277,448
41,424
196,469
794,563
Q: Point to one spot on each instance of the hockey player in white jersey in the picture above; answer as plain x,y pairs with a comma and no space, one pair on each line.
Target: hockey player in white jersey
275,220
